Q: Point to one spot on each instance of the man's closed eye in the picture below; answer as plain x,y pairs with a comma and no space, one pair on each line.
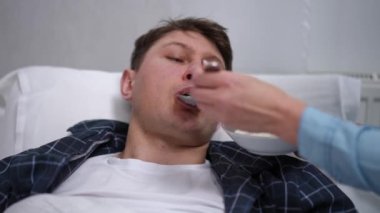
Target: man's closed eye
176,59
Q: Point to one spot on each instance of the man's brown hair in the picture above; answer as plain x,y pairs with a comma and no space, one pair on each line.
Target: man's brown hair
211,30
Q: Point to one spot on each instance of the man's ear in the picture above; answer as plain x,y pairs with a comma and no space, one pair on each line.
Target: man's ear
126,83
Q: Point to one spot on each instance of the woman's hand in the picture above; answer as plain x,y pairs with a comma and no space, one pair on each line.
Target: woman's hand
243,102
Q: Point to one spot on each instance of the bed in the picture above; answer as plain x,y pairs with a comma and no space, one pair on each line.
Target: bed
38,104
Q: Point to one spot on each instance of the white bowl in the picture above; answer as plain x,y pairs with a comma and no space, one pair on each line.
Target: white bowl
261,143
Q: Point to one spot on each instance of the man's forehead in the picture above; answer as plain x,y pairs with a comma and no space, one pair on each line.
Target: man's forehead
180,39
178,44
186,39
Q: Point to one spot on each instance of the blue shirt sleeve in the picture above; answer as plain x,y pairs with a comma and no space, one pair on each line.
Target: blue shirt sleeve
348,152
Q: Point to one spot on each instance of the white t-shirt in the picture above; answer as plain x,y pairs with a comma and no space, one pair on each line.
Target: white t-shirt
107,183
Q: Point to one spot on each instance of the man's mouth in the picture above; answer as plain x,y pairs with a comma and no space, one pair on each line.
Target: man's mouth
185,98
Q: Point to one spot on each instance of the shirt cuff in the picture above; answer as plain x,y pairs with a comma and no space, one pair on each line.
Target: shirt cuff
315,136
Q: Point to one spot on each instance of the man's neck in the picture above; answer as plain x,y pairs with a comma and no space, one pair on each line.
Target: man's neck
162,150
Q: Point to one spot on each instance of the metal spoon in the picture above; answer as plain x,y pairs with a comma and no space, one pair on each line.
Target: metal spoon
188,100
211,65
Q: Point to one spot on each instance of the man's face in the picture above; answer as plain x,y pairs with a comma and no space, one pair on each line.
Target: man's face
164,74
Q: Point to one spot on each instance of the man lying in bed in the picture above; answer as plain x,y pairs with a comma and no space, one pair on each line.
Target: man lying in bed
163,161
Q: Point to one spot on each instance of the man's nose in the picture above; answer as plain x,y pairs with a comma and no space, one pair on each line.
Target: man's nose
193,70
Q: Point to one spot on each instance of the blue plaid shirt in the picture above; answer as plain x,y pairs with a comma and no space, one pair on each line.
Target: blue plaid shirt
250,183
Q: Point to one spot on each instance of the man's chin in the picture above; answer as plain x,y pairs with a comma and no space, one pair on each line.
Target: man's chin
193,121
198,130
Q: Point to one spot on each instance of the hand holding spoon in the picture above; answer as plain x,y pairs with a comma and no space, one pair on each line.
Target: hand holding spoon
209,65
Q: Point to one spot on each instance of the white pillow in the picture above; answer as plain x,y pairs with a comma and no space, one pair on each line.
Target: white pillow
38,104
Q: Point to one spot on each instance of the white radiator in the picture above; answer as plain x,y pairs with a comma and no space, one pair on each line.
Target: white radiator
370,98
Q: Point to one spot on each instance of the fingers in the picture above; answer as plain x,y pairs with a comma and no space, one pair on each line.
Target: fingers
213,89
203,95
212,80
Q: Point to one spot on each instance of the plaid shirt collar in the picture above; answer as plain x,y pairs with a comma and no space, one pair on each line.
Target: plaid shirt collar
250,183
